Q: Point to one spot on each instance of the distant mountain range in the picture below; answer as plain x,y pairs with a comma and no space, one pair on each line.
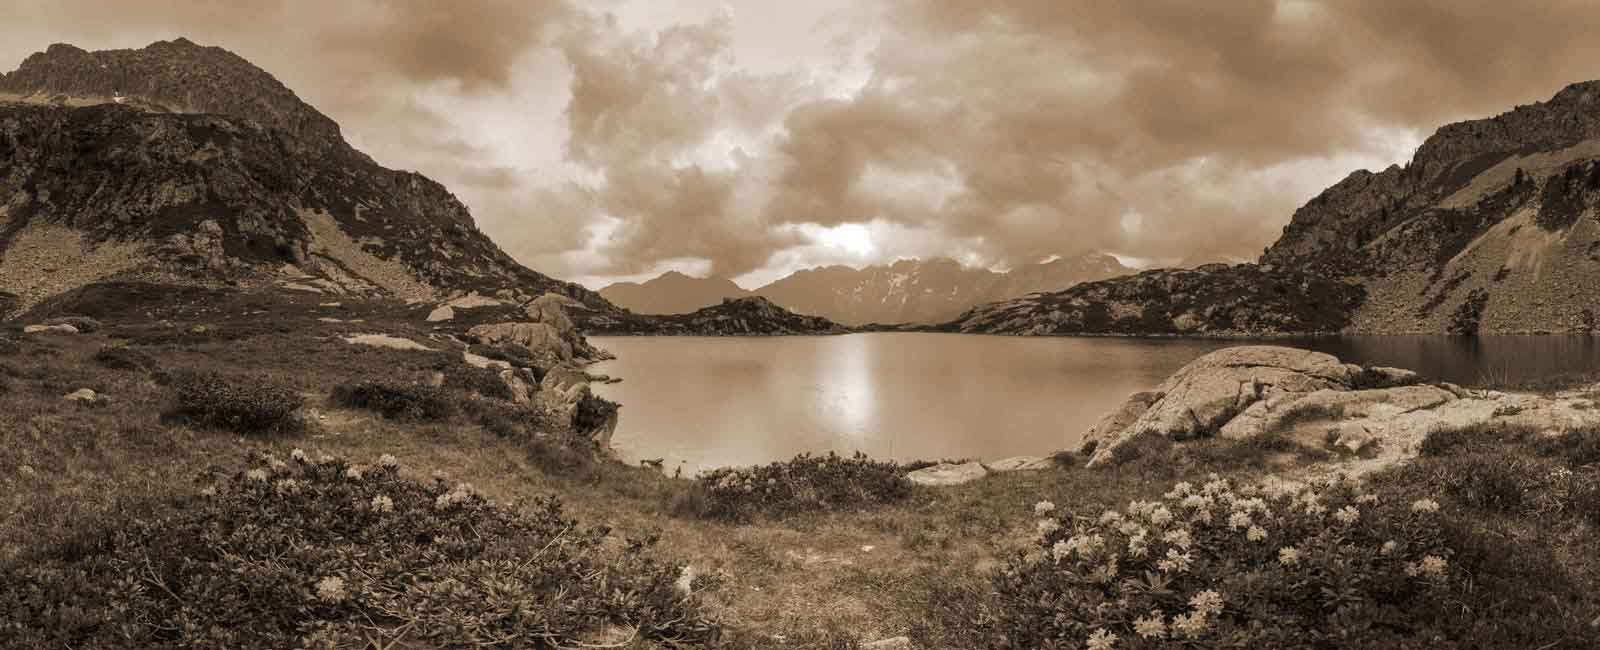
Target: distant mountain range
908,291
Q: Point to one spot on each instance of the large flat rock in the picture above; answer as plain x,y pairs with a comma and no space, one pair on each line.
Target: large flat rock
945,474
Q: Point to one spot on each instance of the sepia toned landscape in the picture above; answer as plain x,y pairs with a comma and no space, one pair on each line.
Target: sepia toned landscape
904,325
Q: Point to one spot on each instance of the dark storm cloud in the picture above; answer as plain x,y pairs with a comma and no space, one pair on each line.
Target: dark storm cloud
1063,118
426,40
1003,130
646,110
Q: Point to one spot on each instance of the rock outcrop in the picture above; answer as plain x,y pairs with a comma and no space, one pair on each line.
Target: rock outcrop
1215,300
945,474
181,164
1493,227
50,329
1314,400
751,316
549,332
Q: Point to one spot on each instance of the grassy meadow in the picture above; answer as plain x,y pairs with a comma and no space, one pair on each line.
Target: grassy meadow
137,518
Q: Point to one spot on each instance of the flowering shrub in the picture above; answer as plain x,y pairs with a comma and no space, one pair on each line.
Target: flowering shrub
242,404
807,483
395,401
1214,567
323,553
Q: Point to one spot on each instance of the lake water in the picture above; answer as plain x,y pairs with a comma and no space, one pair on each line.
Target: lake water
716,401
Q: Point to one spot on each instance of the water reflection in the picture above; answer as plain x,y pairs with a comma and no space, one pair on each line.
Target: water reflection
709,402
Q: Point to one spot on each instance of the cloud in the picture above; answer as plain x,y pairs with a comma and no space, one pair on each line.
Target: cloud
425,41
728,136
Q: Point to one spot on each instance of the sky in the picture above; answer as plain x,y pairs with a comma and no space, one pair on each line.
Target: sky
617,139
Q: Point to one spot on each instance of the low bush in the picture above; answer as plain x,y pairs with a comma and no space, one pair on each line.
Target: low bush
395,401
83,324
807,483
1446,441
1213,567
124,358
1491,481
593,412
324,554
9,347
478,381
236,403
1577,446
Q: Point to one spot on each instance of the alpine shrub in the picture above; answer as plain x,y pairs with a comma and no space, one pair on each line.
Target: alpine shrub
328,554
236,403
807,483
395,401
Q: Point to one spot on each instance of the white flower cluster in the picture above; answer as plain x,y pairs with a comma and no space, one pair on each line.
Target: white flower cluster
1176,536
382,503
331,589
1431,566
461,493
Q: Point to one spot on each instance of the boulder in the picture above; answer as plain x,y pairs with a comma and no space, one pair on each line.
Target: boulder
50,329
566,382
442,313
537,337
551,309
893,643
1113,423
521,389
945,474
386,341
1204,396
479,361
473,301
1021,464
81,395
1273,414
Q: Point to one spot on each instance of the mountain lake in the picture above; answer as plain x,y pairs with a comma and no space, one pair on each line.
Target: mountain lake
703,402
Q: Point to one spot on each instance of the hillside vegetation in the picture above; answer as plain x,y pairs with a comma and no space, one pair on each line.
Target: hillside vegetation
129,522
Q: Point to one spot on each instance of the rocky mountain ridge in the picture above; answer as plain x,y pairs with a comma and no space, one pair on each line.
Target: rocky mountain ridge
748,316
907,291
184,164
1217,300
1491,228
672,293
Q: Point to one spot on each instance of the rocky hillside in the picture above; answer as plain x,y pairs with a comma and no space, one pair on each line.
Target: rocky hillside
184,164
750,316
1213,300
1491,228
671,293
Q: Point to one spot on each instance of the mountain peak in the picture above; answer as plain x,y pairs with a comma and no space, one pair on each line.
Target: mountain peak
100,158
177,76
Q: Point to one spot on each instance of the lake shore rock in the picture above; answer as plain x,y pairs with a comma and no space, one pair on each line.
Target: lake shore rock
945,474
1313,399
